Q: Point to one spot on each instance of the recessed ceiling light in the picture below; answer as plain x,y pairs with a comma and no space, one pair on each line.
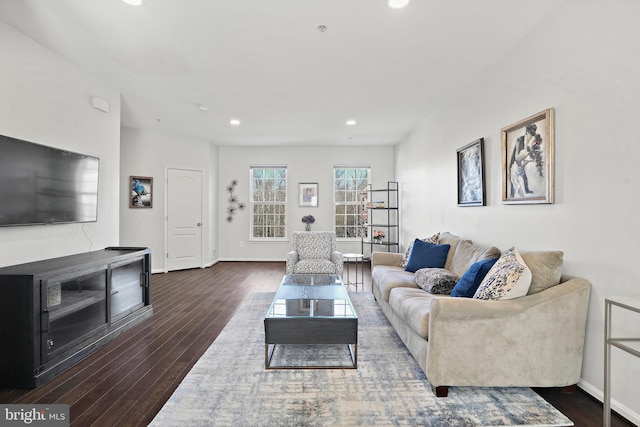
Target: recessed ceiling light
234,122
351,122
134,2
398,4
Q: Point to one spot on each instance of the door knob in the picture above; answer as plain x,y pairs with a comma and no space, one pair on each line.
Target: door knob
199,224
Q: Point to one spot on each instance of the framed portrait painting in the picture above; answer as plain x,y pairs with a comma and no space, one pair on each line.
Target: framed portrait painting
471,186
308,194
140,192
527,160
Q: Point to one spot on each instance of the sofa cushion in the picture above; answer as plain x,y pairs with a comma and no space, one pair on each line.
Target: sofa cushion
546,269
387,277
414,307
447,238
471,279
508,278
436,280
467,253
426,255
405,257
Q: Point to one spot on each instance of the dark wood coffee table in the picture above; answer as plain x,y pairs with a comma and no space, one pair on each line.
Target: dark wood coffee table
311,309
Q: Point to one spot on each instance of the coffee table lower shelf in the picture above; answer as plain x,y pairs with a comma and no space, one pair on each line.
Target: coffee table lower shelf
270,348
314,331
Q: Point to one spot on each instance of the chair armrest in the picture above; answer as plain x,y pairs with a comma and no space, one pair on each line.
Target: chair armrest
385,258
292,259
338,260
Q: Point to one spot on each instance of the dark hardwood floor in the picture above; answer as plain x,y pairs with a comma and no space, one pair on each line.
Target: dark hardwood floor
126,382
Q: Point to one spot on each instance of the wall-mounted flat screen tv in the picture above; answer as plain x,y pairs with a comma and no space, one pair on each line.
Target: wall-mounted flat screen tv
45,185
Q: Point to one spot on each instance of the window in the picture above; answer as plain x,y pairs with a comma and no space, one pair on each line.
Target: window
349,186
268,202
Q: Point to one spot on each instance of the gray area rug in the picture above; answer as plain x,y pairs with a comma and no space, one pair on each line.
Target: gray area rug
229,386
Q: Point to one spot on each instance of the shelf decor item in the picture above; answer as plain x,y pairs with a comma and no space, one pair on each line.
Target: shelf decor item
308,220
527,160
140,192
471,185
308,194
378,235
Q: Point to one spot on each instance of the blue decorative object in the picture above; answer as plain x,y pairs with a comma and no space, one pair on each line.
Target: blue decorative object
427,255
471,279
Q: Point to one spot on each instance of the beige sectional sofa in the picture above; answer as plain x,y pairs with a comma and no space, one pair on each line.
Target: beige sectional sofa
533,341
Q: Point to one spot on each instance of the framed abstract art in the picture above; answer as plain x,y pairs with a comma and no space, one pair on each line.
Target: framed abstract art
471,186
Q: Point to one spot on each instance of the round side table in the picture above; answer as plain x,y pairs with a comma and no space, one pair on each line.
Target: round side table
347,276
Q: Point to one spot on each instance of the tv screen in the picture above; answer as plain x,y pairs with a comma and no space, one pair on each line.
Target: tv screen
45,185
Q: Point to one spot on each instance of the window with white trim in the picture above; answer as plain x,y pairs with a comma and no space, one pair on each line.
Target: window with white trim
349,186
268,202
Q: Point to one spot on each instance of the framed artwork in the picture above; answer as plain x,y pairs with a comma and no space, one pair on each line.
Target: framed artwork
471,186
527,160
140,192
308,194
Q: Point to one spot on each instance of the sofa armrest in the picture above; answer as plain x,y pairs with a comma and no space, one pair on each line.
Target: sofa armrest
385,258
536,340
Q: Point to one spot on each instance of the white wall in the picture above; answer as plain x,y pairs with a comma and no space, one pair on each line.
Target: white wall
583,61
304,164
146,153
45,99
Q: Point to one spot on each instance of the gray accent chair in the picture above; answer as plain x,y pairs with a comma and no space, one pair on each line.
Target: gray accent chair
314,252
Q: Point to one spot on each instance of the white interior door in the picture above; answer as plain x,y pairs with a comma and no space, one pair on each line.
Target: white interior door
184,219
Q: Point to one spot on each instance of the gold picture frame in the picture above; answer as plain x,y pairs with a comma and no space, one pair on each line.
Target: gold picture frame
527,160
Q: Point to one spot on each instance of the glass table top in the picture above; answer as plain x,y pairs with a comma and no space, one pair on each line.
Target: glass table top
310,296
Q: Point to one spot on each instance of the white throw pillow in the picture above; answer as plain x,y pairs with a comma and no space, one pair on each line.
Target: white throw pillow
509,278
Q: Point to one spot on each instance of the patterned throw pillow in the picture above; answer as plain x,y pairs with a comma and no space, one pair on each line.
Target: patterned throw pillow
436,280
471,279
509,278
405,258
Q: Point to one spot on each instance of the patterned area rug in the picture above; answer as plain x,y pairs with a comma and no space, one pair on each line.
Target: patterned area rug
229,386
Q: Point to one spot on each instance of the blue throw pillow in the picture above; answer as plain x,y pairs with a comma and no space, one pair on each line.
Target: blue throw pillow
426,255
471,279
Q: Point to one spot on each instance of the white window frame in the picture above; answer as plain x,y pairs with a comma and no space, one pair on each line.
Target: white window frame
276,198
353,203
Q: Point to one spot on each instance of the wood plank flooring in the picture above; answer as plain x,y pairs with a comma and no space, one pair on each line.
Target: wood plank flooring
126,382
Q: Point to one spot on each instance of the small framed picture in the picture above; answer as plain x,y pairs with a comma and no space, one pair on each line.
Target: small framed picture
471,186
140,192
308,194
527,160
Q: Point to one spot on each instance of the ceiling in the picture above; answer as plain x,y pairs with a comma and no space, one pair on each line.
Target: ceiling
266,63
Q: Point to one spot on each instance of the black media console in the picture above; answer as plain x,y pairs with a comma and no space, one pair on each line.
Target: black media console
55,312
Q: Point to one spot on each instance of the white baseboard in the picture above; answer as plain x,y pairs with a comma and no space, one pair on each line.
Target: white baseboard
615,405
207,265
